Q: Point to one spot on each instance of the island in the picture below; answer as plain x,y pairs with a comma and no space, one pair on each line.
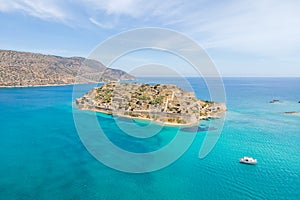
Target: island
24,69
162,103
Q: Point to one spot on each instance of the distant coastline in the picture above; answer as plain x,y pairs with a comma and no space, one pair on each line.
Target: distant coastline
33,86
49,85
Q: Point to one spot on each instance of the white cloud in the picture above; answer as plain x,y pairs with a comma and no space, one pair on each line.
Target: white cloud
267,27
116,7
264,27
48,10
6,6
102,25
133,8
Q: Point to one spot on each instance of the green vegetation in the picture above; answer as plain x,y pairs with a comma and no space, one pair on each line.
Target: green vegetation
157,100
180,121
107,98
143,98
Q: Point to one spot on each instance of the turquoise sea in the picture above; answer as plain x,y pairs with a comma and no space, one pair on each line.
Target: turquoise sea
42,157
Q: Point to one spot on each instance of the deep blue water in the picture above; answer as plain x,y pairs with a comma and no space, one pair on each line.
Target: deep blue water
42,157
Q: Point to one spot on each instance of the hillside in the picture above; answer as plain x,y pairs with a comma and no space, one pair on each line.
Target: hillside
30,69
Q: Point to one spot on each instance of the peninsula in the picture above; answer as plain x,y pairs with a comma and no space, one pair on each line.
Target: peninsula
166,104
22,69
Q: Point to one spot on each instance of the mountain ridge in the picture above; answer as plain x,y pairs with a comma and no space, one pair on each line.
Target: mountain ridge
21,69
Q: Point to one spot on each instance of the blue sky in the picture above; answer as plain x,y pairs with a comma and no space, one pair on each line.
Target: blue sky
244,38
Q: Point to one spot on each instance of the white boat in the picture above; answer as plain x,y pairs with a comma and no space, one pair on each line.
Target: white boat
248,160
